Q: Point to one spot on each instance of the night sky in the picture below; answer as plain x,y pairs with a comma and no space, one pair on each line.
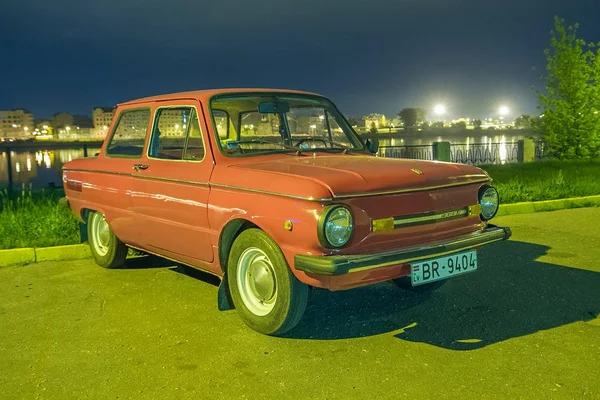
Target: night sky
368,56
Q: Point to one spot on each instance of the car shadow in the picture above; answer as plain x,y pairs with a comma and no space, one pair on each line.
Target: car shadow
511,295
146,261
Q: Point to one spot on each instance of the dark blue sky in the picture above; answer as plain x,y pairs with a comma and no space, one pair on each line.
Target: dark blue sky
368,56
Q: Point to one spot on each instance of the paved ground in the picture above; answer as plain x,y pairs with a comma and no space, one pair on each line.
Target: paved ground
525,326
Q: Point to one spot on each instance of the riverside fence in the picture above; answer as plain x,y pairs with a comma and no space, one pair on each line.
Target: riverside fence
470,153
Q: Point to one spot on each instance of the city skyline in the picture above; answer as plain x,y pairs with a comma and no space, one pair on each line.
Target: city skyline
471,57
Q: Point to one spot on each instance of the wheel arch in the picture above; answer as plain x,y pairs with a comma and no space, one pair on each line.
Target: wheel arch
229,233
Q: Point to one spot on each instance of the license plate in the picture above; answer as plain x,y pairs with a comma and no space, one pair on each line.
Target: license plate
443,267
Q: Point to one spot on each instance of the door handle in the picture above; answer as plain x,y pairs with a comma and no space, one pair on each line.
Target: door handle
137,167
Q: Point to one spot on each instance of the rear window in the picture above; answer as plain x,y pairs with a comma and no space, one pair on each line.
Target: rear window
130,134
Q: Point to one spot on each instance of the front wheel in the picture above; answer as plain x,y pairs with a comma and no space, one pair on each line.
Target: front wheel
107,249
267,295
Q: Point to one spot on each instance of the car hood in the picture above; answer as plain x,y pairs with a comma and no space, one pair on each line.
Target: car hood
349,175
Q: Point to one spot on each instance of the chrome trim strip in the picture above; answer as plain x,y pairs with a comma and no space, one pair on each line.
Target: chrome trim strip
431,217
98,171
270,193
411,190
157,178
139,176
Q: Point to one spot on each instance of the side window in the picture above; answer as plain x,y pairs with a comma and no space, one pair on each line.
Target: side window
176,135
194,149
130,134
222,121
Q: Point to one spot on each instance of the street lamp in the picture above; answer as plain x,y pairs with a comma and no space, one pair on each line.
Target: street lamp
504,110
439,109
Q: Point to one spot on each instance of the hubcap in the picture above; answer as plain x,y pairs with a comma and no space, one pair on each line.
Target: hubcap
256,281
100,234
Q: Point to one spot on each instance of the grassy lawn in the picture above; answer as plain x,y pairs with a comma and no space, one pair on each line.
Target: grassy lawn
35,220
547,180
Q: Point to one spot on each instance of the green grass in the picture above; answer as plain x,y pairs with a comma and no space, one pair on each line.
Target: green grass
29,219
546,180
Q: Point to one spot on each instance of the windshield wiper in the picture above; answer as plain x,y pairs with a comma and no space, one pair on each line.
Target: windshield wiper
285,146
340,146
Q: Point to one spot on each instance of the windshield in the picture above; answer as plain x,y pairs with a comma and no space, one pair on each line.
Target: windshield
275,123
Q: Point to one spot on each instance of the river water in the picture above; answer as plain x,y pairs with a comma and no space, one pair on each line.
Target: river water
42,168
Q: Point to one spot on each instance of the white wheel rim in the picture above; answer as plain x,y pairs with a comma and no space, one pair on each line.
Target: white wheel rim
256,281
100,234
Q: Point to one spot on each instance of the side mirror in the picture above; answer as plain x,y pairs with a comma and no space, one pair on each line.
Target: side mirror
373,145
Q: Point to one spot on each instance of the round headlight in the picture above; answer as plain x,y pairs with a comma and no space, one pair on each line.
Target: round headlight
489,201
335,226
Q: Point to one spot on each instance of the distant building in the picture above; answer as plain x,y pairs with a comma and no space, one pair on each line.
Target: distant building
62,120
102,118
395,122
76,133
16,123
83,121
377,119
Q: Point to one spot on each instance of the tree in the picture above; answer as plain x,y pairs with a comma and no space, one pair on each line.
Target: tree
437,124
477,123
524,122
412,116
570,121
373,129
460,125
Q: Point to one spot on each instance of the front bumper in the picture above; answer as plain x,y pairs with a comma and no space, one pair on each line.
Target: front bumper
345,264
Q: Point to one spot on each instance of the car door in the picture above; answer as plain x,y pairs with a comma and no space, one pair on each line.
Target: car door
110,185
171,184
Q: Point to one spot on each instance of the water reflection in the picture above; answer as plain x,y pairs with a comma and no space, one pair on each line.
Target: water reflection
479,148
41,168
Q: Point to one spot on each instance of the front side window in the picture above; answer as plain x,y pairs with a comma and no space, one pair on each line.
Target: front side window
130,134
176,135
274,123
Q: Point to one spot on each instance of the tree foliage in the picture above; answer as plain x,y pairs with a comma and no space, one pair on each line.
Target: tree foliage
524,122
570,119
373,129
412,116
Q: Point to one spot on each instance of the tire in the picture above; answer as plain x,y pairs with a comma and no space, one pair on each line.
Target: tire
404,283
274,301
106,248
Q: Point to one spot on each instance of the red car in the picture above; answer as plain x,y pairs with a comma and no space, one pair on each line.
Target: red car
272,191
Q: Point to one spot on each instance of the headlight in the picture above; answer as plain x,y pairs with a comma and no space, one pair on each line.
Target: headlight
335,226
489,201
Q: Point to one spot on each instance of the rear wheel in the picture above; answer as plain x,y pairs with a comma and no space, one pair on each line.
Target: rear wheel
266,294
107,249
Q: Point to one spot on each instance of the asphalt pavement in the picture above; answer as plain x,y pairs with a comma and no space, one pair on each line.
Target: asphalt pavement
526,325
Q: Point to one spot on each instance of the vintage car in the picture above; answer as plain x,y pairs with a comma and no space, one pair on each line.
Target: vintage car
274,192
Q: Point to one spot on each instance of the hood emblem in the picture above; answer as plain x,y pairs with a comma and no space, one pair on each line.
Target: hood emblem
417,171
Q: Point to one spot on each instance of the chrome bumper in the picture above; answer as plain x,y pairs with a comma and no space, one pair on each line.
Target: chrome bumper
344,264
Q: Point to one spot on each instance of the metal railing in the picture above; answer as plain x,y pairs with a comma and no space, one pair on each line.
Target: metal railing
417,152
485,153
468,153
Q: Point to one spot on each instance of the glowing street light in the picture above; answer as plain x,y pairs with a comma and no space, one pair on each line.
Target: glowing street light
439,109
504,110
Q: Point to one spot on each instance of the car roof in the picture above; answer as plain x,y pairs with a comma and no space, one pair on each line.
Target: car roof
207,93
